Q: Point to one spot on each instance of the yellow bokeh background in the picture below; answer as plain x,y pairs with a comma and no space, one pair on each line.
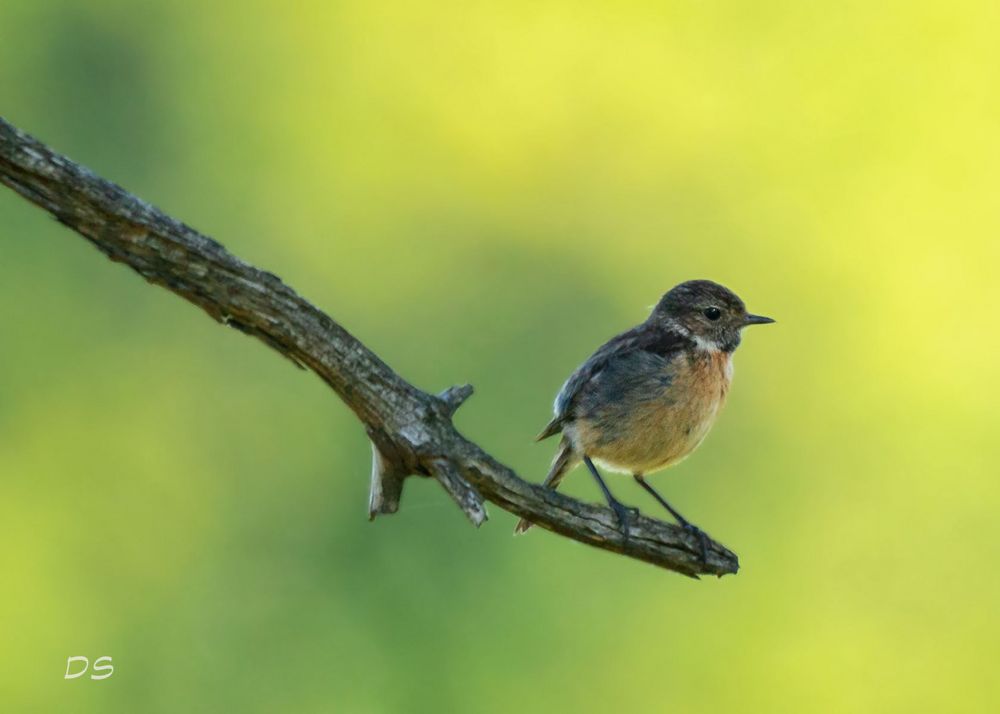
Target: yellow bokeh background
484,192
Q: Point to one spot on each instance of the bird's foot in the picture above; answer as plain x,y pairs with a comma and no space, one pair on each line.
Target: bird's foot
702,540
624,514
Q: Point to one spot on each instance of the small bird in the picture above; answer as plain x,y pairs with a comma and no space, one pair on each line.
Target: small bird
647,398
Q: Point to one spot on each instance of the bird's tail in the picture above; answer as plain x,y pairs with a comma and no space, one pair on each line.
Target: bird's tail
565,460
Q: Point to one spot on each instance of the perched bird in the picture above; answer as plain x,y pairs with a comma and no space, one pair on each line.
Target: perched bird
647,398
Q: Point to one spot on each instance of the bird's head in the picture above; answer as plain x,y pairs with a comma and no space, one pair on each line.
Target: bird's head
710,314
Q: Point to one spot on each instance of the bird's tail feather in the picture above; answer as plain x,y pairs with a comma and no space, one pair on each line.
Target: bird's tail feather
564,461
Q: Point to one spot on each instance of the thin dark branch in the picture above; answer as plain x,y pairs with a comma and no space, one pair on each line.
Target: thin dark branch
411,430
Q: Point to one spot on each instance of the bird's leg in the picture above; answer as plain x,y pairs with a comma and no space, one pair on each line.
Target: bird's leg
621,511
685,523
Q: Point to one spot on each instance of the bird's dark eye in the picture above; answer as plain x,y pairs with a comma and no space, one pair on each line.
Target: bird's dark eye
713,313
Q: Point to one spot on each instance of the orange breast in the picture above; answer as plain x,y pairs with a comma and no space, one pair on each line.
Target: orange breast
664,430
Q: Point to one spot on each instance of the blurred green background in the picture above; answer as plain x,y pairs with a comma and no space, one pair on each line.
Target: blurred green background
484,192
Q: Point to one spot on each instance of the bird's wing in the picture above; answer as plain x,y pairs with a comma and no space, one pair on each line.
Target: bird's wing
664,343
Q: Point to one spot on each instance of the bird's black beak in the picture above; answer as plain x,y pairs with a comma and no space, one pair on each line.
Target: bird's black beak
757,320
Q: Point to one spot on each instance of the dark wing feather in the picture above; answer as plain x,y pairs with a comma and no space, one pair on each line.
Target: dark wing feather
551,429
645,337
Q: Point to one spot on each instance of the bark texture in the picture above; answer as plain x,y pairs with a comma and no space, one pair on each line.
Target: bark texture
411,430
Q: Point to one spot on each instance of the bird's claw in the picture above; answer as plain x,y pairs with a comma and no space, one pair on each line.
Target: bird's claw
624,515
702,540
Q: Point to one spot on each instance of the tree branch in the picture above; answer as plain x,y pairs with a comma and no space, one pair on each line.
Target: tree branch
411,431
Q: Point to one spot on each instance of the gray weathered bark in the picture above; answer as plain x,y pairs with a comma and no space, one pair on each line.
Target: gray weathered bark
411,431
